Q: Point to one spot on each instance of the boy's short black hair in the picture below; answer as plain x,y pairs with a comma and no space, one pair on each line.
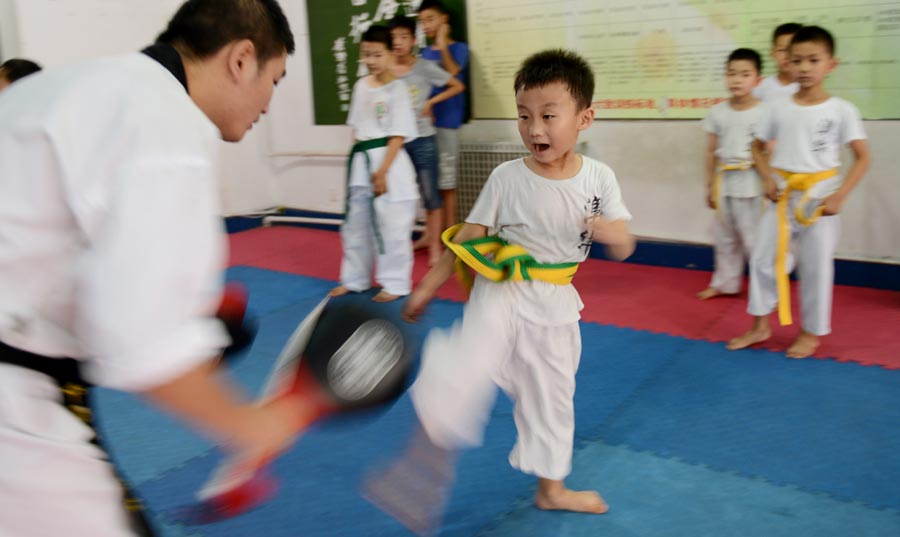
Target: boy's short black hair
377,34
432,4
558,65
746,54
16,68
200,28
815,34
404,22
788,28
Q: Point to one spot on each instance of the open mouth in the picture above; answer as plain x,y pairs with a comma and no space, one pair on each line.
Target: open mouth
540,148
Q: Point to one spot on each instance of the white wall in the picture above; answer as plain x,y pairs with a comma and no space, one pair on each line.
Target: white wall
659,163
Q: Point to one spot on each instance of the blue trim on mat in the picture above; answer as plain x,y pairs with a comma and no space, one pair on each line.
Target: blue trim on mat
652,252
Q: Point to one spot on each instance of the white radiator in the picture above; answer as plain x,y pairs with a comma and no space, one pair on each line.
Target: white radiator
476,162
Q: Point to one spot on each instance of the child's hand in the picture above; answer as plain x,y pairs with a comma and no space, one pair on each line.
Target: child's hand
770,189
442,39
606,231
427,111
832,204
710,201
379,182
415,305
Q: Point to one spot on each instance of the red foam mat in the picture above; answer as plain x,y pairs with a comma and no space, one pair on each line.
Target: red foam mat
866,322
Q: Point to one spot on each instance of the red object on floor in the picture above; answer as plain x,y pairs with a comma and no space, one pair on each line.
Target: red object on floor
865,321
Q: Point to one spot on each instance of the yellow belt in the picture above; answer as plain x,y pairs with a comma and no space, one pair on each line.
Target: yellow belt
509,262
795,182
717,182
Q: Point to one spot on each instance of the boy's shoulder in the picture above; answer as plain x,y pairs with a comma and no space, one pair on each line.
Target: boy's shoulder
596,170
510,167
840,102
718,110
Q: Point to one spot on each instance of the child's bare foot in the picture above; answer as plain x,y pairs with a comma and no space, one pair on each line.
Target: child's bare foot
403,493
751,337
563,499
710,292
340,290
384,296
415,487
804,346
421,242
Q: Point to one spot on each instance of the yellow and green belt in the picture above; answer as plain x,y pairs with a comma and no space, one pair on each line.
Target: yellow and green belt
498,261
363,147
796,182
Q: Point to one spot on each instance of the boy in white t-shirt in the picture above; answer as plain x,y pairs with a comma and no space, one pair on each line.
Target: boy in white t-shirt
520,327
733,188
803,179
782,83
382,195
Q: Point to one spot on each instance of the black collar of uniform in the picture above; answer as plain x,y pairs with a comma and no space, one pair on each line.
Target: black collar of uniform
169,58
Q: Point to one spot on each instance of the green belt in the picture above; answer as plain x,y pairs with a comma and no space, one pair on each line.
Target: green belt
363,146
509,261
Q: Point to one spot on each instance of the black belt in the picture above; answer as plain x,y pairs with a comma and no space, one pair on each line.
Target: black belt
74,389
62,370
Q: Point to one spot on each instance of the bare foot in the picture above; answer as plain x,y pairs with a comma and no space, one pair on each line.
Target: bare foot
403,493
804,346
384,296
579,501
340,290
421,242
751,337
711,292
415,487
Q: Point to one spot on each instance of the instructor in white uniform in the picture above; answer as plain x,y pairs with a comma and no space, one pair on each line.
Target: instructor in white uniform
111,258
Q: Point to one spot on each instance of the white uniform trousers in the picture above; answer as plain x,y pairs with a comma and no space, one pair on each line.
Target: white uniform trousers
492,346
812,251
734,230
394,222
53,481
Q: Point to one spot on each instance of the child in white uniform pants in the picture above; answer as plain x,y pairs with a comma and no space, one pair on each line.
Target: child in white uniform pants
803,178
734,189
382,193
522,336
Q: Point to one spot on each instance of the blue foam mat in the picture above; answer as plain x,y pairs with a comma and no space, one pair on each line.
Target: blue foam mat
821,425
653,496
745,421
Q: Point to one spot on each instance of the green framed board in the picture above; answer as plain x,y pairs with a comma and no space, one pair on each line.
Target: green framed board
335,27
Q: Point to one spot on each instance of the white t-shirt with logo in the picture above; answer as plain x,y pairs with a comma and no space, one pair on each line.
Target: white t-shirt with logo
734,130
378,112
548,217
809,138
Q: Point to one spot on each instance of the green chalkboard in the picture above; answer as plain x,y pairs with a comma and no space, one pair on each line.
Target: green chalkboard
335,27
